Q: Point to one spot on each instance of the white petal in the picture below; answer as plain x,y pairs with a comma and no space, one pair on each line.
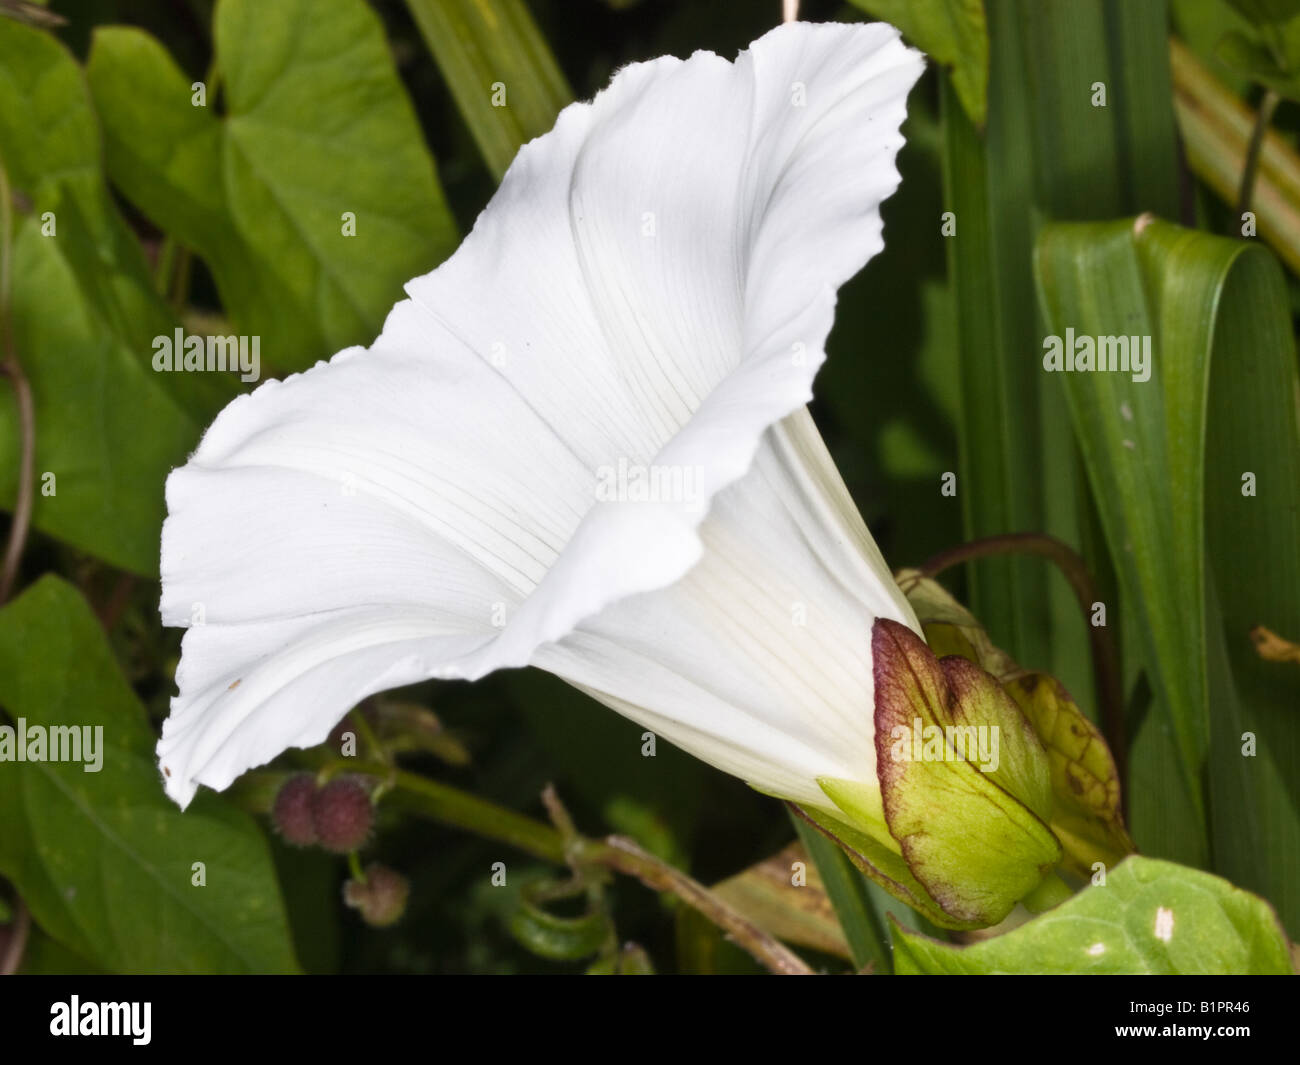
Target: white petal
758,660
653,283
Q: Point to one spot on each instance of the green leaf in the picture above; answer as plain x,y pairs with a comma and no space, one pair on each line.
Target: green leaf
108,430
1047,152
103,859
316,130
106,433
1149,917
499,68
50,142
953,33
1195,472
1259,64
1200,26
48,957
1266,12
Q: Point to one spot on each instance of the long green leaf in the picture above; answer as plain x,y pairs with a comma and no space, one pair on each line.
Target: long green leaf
1197,476
848,893
500,69
1047,151
1051,150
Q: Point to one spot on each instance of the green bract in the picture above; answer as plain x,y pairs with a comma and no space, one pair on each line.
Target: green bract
989,775
964,784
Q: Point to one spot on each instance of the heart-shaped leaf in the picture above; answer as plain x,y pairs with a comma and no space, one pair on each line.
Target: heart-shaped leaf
1149,916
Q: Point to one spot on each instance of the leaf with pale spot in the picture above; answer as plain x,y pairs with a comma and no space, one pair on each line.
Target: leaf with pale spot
1150,917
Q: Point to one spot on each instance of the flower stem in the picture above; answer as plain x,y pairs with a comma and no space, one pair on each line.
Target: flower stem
11,368
459,809
1105,656
563,845
354,867
626,856
19,928
21,521
1267,105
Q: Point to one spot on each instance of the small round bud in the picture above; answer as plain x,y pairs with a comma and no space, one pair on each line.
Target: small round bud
343,815
292,812
381,898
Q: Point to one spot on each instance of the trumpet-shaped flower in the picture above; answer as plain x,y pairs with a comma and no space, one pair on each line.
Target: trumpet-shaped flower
580,444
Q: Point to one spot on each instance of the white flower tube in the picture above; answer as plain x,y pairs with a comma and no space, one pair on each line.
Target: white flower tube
580,444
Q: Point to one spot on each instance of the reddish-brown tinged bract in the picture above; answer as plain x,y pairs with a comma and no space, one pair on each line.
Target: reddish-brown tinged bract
292,812
343,814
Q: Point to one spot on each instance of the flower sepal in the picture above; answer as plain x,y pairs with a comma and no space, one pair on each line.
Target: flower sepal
987,776
963,784
1086,812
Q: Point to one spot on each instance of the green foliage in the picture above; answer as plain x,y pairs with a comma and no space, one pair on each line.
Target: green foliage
1187,468
139,208
1150,917
1267,12
83,313
103,859
500,69
315,133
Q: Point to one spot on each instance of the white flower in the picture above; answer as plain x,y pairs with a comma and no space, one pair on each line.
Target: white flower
650,291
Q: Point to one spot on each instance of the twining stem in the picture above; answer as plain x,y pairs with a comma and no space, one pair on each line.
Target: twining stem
1267,105
21,522
564,845
1105,657
119,599
626,856
19,928
11,368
